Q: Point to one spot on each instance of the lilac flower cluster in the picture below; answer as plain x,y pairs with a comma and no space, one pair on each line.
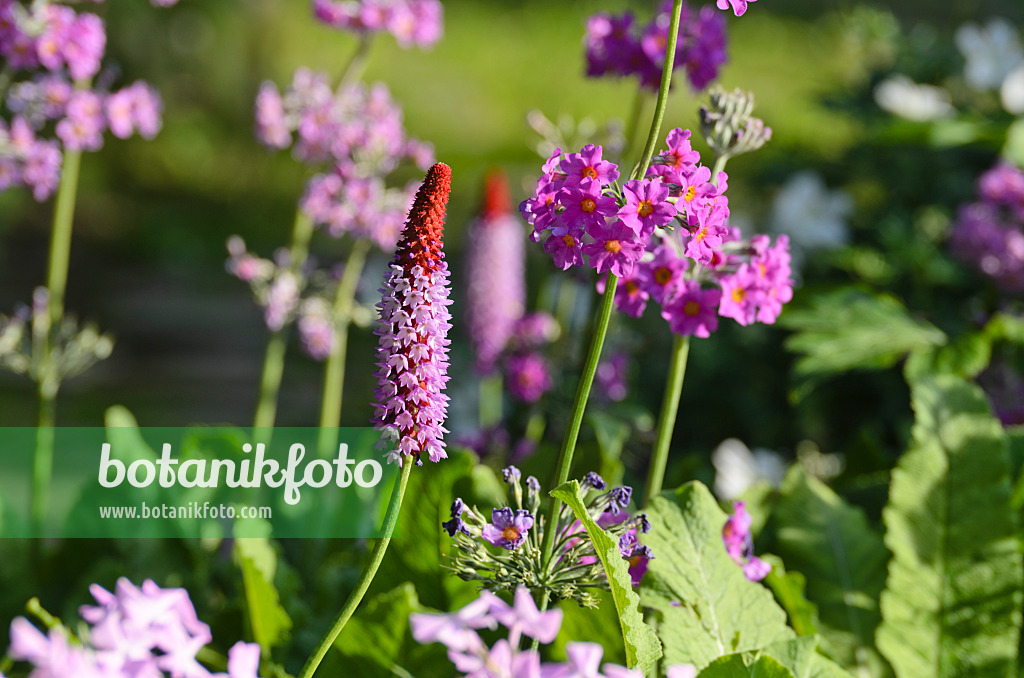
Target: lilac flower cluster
471,656
616,45
134,631
502,551
739,543
274,284
356,131
53,53
667,237
412,22
989,233
527,372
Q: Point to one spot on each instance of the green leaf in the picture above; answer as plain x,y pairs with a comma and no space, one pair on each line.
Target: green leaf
952,606
789,588
843,560
643,650
269,621
849,329
595,625
705,606
745,666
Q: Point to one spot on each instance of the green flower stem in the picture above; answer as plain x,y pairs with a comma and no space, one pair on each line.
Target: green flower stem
273,362
334,368
56,284
607,303
579,405
673,393
387,529
491,400
667,418
634,121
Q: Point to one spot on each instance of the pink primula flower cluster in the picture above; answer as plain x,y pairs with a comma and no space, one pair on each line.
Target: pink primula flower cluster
471,656
357,132
133,631
54,53
418,23
666,237
618,45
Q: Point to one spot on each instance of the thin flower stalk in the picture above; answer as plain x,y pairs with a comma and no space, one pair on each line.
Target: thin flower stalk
412,368
273,362
608,299
56,284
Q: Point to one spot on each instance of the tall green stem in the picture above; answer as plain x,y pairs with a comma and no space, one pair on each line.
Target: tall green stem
273,362
387,529
673,393
605,311
56,284
667,418
334,368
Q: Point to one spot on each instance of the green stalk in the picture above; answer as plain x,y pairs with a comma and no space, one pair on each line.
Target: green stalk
334,368
673,393
387,529
273,362
490,400
605,311
579,405
667,418
634,121
56,284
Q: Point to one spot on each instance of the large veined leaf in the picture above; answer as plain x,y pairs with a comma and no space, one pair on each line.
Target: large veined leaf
843,561
643,650
952,606
704,605
789,588
745,666
799,656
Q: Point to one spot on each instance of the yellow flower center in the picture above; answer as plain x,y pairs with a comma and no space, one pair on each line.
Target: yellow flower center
631,287
644,208
510,533
588,205
739,294
589,172
662,275
691,308
569,240
613,246
690,194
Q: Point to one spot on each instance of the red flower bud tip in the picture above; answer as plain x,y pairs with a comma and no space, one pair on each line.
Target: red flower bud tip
497,199
421,241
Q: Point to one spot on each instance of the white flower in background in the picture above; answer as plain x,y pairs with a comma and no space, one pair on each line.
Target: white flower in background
1012,91
813,216
737,468
991,52
901,96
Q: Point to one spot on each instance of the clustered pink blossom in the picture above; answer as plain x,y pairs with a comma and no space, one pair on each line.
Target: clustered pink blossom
274,284
55,53
666,237
357,133
134,631
618,45
989,233
471,656
412,22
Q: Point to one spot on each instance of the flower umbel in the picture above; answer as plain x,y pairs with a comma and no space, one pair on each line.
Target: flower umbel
504,553
414,322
